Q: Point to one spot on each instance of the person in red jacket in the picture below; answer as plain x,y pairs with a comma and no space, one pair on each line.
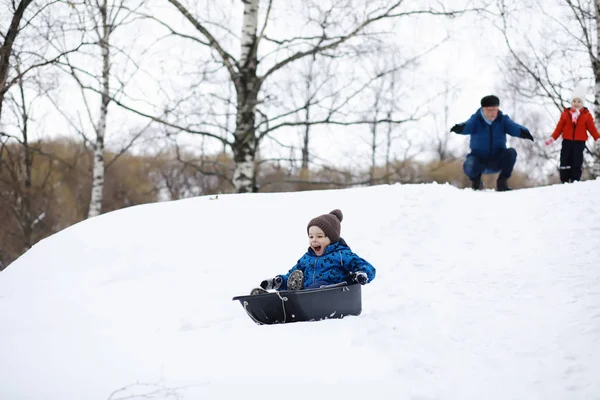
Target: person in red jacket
574,124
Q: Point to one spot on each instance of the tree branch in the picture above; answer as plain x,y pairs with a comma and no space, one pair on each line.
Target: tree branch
38,65
227,58
389,13
162,121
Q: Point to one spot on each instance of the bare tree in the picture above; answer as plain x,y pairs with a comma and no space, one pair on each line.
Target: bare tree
544,69
25,40
330,29
314,80
6,50
441,145
103,29
314,88
95,23
385,93
23,203
23,51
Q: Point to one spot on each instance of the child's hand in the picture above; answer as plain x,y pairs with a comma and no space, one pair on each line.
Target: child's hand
549,142
359,277
274,283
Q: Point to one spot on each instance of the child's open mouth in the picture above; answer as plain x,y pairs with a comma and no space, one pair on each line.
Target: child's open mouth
317,248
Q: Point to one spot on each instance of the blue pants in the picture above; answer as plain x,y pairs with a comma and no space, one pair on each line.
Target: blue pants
502,162
317,284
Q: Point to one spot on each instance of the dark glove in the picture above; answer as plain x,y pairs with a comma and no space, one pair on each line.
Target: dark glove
526,135
358,277
274,283
458,128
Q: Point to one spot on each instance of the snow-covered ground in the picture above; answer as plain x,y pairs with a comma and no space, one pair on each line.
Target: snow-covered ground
478,295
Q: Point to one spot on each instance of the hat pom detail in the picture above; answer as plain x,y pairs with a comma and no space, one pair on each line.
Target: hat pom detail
338,214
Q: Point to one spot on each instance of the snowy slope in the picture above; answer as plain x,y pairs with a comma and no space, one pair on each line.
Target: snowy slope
478,295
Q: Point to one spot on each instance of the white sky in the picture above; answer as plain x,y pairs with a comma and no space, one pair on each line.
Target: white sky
478,295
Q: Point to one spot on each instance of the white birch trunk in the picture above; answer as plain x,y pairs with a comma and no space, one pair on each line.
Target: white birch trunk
249,29
247,93
97,195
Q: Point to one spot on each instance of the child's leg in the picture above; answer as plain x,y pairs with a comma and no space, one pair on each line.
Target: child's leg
565,160
577,159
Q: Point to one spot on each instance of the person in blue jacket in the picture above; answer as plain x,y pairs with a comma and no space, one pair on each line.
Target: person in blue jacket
328,260
488,128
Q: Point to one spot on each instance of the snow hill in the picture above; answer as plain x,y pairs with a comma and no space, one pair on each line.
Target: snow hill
478,295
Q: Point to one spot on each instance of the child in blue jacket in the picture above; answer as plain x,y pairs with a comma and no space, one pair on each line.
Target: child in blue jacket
328,260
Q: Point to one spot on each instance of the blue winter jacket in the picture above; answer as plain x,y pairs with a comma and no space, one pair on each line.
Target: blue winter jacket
489,140
332,267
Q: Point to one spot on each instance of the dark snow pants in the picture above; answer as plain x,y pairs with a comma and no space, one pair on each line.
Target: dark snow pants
571,160
502,162
316,285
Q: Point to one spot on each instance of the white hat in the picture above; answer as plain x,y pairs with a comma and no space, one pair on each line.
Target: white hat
578,93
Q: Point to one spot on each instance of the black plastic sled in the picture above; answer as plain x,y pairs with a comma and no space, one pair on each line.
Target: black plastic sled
328,302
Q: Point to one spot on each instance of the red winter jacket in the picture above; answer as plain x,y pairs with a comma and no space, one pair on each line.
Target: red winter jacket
578,131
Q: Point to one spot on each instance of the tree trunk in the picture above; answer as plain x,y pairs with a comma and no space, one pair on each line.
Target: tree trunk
6,49
24,201
374,126
388,147
305,141
307,106
373,153
27,156
247,86
390,129
97,196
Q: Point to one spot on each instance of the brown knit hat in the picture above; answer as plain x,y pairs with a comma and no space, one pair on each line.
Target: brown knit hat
329,223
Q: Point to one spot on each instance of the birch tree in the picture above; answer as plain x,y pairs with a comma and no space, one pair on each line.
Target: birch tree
103,28
106,17
96,22
266,48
